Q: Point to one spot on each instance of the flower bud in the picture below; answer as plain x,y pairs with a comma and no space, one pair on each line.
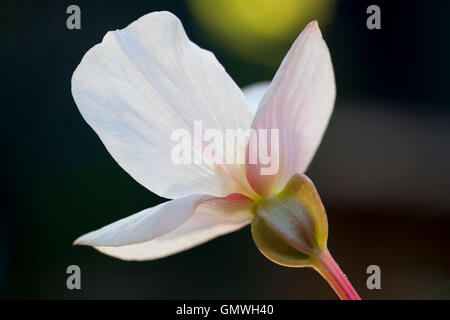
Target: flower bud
291,227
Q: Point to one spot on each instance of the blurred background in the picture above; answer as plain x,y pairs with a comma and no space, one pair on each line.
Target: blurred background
382,170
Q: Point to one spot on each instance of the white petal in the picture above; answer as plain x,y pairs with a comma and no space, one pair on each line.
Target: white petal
254,94
143,82
144,225
298,102
210,220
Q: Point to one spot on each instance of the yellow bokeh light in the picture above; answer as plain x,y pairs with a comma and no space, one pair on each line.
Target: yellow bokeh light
259,29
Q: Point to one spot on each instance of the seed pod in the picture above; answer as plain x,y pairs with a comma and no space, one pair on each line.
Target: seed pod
291,227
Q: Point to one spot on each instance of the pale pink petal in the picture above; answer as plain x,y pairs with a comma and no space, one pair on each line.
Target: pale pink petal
146,224
298,102
254,93
211,219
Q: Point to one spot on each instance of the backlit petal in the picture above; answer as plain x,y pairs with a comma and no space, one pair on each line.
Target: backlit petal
298,102
254,94
147,80
211,219
145,225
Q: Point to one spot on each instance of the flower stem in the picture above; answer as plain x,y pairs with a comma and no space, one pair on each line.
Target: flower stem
330,270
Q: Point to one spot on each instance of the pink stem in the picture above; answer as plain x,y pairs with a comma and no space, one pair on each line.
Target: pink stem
330,270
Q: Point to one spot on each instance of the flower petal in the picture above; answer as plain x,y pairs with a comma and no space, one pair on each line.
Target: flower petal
144,225
211,219
298,102
147,80
254,94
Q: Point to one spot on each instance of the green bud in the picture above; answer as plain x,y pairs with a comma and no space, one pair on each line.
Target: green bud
290,228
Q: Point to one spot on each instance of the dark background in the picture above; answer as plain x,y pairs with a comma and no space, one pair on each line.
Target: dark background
382,170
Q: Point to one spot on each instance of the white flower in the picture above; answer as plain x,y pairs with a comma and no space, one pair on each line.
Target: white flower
145,81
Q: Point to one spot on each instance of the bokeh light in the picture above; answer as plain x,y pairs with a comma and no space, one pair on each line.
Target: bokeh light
257,29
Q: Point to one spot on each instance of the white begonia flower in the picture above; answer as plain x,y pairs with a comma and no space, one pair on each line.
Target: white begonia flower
148,79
